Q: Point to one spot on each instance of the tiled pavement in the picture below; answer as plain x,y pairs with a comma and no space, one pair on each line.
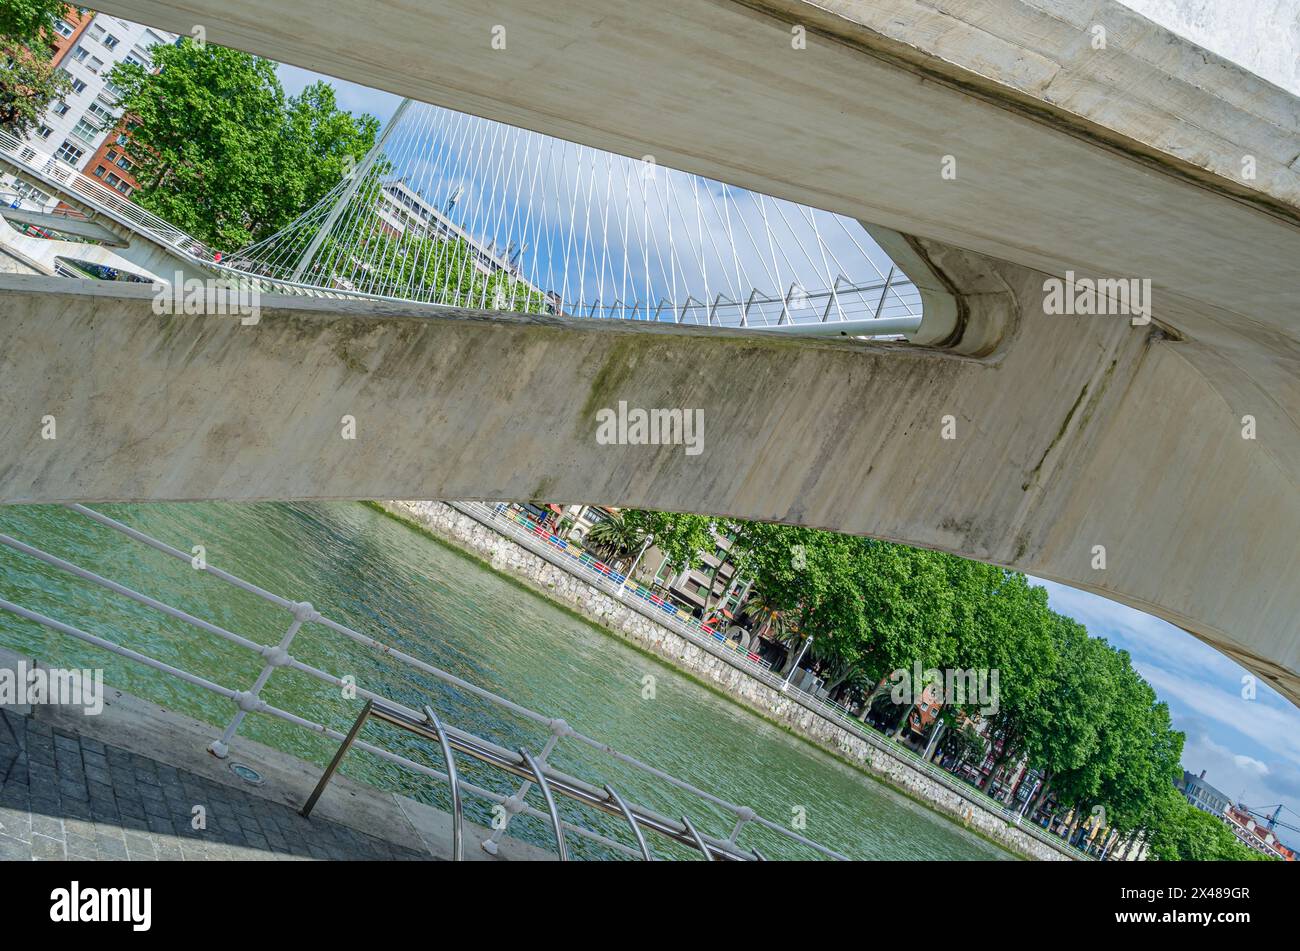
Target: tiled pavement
64,796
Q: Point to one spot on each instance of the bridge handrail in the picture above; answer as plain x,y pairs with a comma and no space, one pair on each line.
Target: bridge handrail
60,174
897,296
277,656
836,713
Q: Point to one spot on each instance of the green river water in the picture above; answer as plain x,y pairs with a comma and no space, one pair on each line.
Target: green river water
392,583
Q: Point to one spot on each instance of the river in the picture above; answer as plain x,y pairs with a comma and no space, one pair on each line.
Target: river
386,580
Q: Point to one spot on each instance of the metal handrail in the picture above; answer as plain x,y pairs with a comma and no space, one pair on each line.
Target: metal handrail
453,783
486,515
60,175
278,656
539,775
631,821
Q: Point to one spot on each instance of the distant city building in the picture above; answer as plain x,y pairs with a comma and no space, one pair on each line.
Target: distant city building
1256,835
1202,795
403,211
712,586
82,129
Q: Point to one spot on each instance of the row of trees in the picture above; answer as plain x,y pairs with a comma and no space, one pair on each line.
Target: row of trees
1070,704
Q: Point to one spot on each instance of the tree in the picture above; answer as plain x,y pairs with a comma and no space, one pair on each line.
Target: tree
680,536
30,22
615,539
29,82
222,153
1183,833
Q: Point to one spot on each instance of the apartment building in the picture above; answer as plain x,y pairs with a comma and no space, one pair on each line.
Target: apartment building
83,128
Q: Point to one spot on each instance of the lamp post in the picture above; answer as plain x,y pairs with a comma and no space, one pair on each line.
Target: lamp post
785,687
648,540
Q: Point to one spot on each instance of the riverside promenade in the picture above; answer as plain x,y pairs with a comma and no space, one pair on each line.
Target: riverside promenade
127,784
527,557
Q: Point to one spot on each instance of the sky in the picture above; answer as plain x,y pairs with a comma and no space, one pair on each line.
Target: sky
1249,748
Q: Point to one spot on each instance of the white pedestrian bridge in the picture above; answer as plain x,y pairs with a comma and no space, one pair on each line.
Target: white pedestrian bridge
1153,463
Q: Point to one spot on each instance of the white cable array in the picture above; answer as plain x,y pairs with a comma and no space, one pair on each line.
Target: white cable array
460,211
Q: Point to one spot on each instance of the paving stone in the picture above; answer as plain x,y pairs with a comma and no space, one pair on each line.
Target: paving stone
69,797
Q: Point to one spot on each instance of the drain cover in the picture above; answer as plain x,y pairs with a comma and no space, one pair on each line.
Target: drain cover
247,774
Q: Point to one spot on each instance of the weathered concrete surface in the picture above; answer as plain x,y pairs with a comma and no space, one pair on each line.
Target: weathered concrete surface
1073,432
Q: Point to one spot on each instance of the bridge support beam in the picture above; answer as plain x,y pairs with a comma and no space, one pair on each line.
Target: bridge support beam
1069,435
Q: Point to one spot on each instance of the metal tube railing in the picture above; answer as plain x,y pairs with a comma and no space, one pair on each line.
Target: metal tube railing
897,308
278,656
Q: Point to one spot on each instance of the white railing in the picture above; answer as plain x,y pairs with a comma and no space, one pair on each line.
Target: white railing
278,656
62,176
496,518
887,308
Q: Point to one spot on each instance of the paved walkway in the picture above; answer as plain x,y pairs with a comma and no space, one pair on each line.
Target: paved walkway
64,796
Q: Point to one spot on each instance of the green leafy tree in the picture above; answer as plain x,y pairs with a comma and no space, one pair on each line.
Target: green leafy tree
29,82
30,21
680,536
222,152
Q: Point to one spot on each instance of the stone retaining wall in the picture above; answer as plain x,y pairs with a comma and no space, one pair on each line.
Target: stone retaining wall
507,556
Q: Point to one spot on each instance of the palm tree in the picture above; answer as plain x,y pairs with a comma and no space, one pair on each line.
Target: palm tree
770,622
614,539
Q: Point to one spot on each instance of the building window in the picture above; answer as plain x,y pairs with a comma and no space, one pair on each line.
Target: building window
79,53
111,41
94,64
99,171
78,86
44,131
30,193
101,114
64,28
124,163
61,109
87,131
70,153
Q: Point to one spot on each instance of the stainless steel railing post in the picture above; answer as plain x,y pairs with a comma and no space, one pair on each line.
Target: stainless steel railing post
699,840
514,804
631,821
545,787
453,780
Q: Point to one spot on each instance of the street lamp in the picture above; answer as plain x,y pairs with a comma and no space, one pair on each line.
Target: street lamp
785,687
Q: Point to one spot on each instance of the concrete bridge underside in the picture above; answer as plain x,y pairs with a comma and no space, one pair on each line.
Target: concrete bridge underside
1071,432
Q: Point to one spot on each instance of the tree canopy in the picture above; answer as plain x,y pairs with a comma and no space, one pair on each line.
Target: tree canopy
29,81
222,152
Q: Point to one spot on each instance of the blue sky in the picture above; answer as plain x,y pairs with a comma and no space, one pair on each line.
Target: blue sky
1250,749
